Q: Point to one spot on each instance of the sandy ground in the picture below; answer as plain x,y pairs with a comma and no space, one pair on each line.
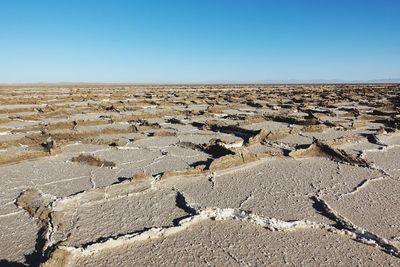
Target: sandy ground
200,175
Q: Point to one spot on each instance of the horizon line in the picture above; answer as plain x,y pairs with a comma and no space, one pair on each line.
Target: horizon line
272,82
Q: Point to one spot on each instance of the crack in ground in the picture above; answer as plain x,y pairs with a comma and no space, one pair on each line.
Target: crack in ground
249,197
11,214
364,183
46,246
181,203
211,179
358,233
215,214
230,255
91,179
374,139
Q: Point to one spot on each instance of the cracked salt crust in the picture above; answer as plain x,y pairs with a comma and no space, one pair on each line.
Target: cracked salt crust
387,159
374,207
269,209
236,243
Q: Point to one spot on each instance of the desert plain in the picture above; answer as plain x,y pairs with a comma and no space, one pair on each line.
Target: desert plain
200,175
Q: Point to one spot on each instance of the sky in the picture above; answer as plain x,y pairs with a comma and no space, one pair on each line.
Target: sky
191,41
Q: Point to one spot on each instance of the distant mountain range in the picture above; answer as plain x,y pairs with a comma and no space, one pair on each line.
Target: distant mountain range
290,81
316,81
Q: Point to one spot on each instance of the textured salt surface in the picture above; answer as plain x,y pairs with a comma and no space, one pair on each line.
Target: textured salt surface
200,175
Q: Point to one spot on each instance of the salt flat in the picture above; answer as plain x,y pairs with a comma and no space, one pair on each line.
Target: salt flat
163,175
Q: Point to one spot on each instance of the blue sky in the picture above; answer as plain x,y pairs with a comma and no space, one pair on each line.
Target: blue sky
198,41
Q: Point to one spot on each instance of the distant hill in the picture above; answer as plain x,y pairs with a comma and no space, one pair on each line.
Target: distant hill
295,81
290,81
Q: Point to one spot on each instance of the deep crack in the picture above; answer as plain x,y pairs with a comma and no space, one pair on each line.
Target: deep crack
360,234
